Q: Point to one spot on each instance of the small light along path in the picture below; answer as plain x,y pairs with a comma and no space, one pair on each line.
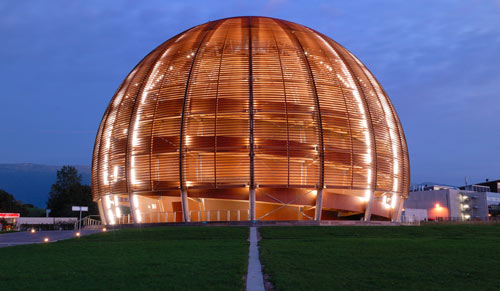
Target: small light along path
255,280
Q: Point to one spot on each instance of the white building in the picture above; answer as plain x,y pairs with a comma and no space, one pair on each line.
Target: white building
446,203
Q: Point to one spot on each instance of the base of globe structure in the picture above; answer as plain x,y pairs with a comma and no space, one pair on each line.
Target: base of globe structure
271,205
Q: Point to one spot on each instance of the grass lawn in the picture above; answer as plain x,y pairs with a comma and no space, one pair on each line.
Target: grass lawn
159,258
464,257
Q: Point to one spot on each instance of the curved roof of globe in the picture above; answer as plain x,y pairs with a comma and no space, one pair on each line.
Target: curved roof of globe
258,101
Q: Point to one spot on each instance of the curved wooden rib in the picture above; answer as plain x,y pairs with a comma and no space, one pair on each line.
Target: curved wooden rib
251,105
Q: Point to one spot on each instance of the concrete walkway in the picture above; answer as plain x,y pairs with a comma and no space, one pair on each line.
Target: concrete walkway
26,237
255,280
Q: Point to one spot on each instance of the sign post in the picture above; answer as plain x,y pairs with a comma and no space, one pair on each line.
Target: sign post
80,208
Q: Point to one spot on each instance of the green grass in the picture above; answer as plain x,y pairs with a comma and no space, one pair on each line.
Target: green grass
464,257
160,258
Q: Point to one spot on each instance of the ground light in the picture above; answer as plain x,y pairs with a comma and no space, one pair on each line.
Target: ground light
46,239
77,234
104,229
33,230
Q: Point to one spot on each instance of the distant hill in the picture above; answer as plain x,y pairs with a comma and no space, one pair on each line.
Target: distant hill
31,183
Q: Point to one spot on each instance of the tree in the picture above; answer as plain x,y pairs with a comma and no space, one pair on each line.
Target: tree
69,191
9,204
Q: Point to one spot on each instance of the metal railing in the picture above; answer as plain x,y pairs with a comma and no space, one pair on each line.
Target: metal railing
195,216
124,219
410,220
88,220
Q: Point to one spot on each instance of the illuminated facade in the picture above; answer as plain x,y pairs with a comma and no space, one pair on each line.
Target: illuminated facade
249,118
448,203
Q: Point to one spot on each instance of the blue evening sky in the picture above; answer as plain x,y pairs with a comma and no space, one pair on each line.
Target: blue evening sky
439,61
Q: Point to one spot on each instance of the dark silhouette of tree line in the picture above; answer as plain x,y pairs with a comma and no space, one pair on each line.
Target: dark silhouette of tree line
66,192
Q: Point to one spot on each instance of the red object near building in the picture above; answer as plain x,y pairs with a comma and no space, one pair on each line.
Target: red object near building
9,215
10,219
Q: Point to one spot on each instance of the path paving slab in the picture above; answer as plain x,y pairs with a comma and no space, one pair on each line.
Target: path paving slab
255,280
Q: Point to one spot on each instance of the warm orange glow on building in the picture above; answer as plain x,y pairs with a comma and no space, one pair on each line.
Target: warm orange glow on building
438,212
249,118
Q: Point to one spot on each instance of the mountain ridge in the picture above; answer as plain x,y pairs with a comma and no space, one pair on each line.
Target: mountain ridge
40,177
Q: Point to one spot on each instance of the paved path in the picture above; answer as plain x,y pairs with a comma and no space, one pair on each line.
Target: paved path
255,280
26,237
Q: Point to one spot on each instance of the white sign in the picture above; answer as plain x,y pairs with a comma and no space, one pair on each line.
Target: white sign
80,208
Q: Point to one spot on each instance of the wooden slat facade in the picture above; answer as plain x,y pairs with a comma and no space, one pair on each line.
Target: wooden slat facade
251,102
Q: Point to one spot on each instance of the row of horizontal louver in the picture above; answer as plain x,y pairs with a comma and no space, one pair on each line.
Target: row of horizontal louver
140,131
